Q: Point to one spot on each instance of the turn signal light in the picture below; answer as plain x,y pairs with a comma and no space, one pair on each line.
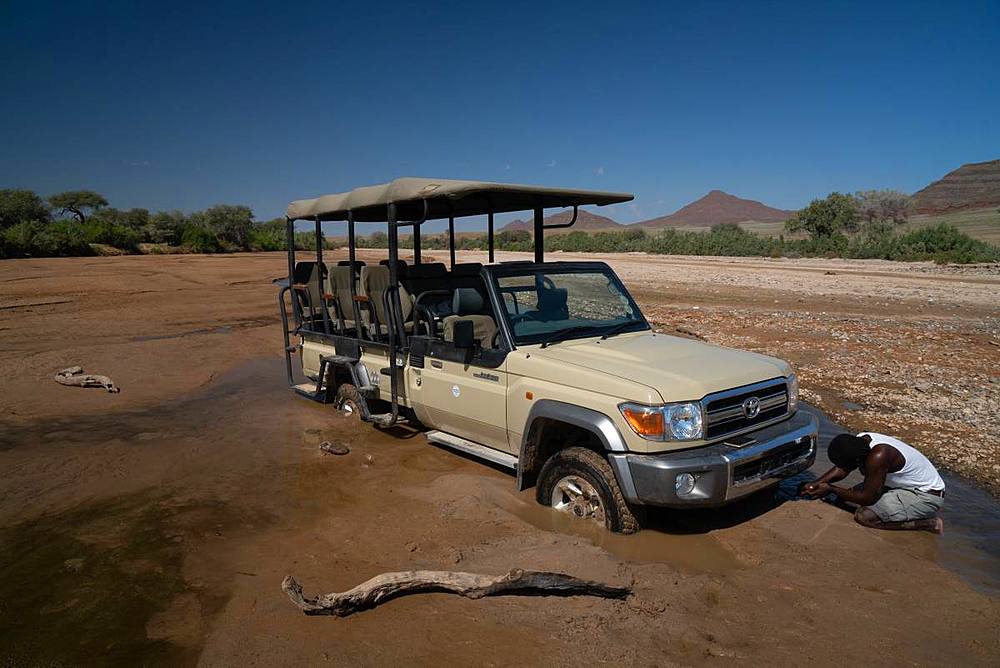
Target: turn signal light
647,421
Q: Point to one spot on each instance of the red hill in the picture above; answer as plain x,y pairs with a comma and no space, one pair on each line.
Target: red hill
972,186
585,222
716,208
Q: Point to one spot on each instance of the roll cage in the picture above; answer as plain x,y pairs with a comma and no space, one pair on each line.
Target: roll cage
403,203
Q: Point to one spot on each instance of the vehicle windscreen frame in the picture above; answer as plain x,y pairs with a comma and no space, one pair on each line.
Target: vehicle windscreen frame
508,269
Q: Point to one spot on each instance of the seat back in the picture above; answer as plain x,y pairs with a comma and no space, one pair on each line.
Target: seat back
305,273
468,304
375,280
339,285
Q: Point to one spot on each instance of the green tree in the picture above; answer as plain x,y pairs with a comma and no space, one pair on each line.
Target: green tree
77,202
230,223
883,209
165,227
21,206
823,218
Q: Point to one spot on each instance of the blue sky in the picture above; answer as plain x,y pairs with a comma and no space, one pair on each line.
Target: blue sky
177,106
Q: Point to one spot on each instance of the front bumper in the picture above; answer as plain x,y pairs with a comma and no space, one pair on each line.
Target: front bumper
723,473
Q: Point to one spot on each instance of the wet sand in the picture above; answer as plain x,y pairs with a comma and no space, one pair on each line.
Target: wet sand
155,526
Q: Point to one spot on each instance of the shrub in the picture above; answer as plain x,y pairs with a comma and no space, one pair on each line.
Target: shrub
35,239
197,239
100,231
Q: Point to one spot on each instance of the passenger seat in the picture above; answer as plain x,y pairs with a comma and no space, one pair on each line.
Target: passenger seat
375,281
339,285
467,304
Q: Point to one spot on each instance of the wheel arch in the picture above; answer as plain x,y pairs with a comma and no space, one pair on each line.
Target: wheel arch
553,425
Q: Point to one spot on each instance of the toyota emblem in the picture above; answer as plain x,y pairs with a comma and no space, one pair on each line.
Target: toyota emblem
751,407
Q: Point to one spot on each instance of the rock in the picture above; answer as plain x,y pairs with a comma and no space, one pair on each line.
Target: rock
923,387
412,547
334,448
369,460
829,273
73,565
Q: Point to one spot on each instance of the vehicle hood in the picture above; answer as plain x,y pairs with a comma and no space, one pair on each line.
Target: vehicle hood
678,369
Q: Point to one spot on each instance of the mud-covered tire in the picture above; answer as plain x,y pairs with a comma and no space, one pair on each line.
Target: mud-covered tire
349,401
595,469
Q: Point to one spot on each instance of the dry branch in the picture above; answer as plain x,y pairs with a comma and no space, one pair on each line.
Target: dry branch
75,376
387,586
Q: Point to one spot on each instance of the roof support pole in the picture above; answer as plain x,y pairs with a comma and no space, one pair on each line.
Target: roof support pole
451,239
351,255
393,326
319,276
290,243
539,234
489,235
416,233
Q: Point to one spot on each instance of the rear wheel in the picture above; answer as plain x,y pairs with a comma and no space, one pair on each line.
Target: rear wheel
580,482
349,401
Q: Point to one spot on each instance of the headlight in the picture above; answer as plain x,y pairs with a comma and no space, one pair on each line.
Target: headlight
671,422
793,393
683,421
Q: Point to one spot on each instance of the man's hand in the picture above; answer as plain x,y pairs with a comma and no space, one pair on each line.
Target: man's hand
814,490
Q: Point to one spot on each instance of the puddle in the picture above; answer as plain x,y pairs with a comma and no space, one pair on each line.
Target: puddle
83,584
970,546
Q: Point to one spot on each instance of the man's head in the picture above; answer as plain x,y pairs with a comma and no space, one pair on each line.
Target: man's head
847,451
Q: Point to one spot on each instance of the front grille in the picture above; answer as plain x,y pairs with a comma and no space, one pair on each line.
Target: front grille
780,456
724,412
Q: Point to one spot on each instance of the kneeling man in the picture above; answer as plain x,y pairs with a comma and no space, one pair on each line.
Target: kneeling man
902,489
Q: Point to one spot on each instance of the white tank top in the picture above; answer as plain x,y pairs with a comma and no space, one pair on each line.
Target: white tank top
917,472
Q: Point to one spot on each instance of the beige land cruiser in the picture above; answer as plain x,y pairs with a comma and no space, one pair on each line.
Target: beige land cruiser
547,368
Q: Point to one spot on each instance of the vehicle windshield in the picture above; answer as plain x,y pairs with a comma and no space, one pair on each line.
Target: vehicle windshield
550,305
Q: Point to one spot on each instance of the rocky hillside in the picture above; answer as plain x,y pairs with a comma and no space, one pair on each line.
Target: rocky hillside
585,222
716,208
972,186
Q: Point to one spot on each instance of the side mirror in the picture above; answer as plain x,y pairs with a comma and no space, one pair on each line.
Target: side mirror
464,335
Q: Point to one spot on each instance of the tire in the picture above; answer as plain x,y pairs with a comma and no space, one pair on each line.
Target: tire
349,401
565,469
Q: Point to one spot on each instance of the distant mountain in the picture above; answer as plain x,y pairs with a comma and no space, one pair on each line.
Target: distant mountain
716,208
585,221
972,186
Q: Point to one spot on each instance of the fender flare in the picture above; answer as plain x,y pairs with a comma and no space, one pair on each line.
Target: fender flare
593,421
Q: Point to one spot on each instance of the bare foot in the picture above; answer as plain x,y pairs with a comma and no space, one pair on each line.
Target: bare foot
937,527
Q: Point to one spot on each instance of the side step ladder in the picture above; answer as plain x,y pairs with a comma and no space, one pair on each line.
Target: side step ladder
319,391
475,449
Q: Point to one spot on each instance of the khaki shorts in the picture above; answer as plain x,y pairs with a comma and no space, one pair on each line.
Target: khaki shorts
904,505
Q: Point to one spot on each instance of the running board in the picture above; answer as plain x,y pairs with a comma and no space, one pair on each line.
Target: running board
308,390
474,449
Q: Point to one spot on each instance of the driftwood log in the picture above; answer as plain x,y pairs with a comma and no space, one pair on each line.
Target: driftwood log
75,376
387,586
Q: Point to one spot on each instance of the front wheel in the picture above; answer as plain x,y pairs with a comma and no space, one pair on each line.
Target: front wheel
580,482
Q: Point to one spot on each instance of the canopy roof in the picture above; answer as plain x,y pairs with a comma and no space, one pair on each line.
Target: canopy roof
445,197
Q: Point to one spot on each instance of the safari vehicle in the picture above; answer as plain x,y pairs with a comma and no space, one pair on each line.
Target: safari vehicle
545,368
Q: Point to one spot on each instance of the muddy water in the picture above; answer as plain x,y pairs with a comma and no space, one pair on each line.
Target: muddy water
970,545
123,534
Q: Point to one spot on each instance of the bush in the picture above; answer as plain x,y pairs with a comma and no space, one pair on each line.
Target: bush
944,243
101,231
197,239
35,239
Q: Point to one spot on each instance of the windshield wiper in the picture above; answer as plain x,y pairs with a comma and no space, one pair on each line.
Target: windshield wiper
617,329
558,335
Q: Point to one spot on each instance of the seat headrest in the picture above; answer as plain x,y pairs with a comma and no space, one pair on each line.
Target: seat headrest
304,271
467,301
347,263
432,270
400,267
553,303
467,269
